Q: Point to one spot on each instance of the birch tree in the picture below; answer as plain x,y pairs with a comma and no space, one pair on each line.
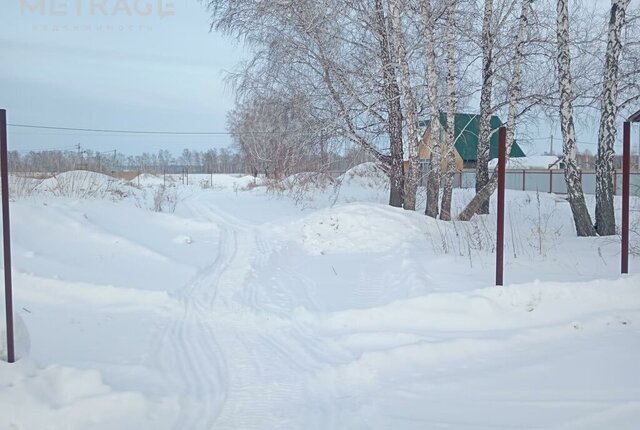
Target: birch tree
581,218
341,51
392,101
450,139
605,215
433,178
482,157
412,176
515,87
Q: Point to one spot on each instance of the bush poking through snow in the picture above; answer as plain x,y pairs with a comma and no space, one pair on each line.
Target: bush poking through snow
82,184
21,186
301,186
165,199
543,235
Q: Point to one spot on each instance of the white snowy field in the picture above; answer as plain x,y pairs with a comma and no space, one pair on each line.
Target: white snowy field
236,308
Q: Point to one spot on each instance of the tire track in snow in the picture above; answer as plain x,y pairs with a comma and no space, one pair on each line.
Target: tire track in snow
268,356
188,349
238,364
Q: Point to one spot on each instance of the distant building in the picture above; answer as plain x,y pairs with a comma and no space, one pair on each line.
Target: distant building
467,128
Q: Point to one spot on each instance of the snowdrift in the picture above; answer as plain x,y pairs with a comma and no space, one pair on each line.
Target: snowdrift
354,228
366,175
22,340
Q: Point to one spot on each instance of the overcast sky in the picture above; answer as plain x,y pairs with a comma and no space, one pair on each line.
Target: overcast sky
158,69
134,69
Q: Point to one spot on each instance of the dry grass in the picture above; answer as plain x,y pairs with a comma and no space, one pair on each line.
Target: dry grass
127,176
33,175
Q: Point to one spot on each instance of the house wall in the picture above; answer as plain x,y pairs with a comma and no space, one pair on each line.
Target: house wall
424,152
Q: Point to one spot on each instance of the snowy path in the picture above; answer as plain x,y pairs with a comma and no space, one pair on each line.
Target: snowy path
239,366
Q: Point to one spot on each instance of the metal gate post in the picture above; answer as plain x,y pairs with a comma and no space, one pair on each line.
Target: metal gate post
6,236
626,176
626,164
502,155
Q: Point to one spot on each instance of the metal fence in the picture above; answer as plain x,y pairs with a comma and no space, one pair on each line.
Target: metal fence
547,181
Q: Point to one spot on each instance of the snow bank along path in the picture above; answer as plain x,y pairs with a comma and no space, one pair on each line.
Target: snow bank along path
242,311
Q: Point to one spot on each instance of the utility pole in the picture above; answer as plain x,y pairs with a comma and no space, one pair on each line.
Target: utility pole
78,159
551,146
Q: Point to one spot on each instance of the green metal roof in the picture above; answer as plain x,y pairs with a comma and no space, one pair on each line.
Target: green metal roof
467,131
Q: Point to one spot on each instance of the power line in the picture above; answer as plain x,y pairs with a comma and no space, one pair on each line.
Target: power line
557,138
97,130
108,132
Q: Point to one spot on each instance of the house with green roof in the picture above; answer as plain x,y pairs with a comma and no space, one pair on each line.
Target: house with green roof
467,130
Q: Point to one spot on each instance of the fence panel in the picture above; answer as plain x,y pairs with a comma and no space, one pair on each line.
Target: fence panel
537,181
469,179
513,180
589,182
558,185
543,181
634,184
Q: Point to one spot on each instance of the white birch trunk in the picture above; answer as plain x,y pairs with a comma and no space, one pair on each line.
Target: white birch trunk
450,138
484,138
514,95
605,215
433,177
581,217
394,109
412,176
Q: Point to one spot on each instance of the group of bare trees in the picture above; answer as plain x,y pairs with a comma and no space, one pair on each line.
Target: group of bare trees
264,154
277,138
222,160
326,72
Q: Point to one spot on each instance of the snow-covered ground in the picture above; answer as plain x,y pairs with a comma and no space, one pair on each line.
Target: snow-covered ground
235,307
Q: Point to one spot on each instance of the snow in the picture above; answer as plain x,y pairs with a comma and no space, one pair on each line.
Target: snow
241,308
22,342
531,162
339,229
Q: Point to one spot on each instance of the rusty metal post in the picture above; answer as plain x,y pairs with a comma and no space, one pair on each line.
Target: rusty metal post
626,166
6,236
502,155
